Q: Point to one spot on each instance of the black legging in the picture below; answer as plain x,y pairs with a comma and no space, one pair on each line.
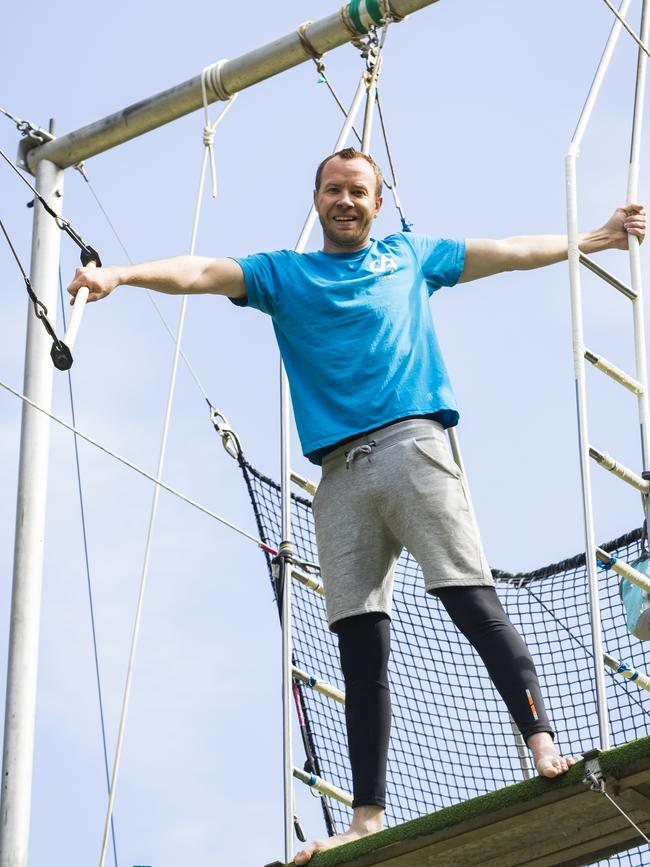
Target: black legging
364,646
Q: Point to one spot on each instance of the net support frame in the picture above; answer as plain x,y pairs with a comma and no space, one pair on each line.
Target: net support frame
575,258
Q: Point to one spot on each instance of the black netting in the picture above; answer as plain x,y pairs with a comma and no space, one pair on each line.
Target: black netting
451,737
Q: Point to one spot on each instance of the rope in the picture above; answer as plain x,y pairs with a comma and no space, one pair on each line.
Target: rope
208,140
213,76
80,167
308,46
91,604
626,26
139,470
208,136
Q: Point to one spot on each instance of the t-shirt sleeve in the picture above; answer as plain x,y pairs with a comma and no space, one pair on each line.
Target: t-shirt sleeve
263,275
441,259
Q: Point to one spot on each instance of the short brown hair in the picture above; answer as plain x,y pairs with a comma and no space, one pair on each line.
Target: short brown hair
352,154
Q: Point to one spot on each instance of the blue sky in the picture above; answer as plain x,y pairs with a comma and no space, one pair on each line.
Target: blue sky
481,101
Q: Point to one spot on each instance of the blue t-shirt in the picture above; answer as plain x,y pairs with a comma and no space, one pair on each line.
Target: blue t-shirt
356,333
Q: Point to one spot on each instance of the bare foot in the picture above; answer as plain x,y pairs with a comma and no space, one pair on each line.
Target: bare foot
365,820
547,760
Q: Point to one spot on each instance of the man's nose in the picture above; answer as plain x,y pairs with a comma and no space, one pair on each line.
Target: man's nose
345,199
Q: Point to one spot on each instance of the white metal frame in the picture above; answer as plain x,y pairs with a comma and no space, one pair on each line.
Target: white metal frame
580,352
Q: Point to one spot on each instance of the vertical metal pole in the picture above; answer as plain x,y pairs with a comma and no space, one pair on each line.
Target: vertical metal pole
581,406
286,546
635,258
20,702
579,373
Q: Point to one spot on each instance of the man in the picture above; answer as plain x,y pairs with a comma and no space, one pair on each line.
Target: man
372,399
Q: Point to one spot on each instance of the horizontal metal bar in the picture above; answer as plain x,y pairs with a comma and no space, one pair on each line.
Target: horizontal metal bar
305,484
307,580
322,786
319,685
608,278
624,569
614,372
223,79
638,677
607,462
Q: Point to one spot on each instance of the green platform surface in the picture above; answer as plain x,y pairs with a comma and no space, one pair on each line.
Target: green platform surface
537,822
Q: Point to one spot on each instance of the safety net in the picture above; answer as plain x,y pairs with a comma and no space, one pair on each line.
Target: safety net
452,738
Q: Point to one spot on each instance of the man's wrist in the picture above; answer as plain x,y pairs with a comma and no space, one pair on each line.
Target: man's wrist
594,242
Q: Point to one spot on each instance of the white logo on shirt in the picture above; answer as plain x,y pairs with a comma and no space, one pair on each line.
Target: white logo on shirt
383,264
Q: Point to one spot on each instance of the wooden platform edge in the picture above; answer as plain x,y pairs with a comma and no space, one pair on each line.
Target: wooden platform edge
625,767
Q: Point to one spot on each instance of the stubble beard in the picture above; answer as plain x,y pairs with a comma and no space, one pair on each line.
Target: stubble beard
345,238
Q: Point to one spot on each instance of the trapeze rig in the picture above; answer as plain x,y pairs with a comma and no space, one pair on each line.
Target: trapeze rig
221,82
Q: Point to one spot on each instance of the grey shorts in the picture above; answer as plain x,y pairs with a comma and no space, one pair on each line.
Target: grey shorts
396,488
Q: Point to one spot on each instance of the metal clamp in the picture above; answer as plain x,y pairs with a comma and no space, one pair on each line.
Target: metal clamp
594,777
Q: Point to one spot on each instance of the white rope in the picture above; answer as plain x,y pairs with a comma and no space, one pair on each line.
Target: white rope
132,466
208,138
209,130
81,168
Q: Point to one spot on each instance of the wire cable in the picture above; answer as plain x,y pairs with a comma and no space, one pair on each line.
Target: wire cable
88,253
91,604
207,156
159,483
626,26
40,310
625,816
150,295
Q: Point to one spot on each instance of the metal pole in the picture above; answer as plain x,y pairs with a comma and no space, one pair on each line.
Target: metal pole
20,702
286,546
583,440
594,90
635,258
579,373
224,79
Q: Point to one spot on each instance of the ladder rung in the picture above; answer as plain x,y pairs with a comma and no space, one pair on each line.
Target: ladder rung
628,672
614,372
307,580
608,463
322,786
624,569
630,293
305,484
319,685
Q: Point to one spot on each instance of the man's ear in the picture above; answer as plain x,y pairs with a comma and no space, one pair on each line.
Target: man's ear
379,201
315,197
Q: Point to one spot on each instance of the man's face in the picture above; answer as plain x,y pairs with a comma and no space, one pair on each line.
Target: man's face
347,204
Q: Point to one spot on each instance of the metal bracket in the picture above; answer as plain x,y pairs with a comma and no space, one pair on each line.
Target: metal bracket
594,777
34,137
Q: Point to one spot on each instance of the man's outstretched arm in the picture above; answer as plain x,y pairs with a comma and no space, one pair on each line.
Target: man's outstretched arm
182,275
484,257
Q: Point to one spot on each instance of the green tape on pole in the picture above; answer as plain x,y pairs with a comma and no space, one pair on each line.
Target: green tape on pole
374,10
353,9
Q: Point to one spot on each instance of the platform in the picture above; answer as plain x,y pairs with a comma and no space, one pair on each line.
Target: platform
539,823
